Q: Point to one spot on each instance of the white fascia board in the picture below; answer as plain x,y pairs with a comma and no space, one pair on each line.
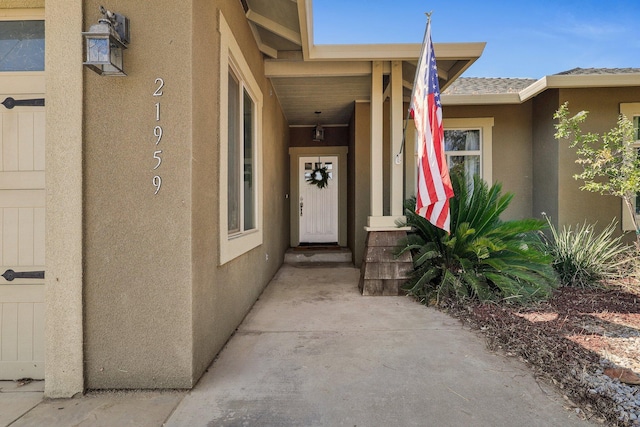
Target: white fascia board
593,80
533,89
579,81
364,52
471,50
400,51
372,52
279,68
481,99
305,19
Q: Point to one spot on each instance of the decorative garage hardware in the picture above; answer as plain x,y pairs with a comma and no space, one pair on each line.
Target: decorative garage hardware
105,43
9,275
9,102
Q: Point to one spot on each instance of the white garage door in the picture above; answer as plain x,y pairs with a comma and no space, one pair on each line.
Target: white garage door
22,197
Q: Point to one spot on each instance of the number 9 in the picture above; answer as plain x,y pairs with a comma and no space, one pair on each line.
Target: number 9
157,182
157,132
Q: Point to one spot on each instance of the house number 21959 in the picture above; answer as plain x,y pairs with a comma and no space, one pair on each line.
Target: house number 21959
157,133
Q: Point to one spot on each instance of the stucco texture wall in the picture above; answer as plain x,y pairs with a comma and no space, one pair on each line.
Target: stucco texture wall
511,151
576,206
158,307
137,296
545,156
222,295
359,172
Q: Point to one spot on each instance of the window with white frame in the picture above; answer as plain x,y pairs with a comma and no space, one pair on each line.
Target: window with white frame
240,152
632,112
468,144
240,163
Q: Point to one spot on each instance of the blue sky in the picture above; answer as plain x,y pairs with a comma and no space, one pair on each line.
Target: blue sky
524,38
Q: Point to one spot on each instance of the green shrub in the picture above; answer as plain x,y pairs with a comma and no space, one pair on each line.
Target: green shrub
583,258
483,257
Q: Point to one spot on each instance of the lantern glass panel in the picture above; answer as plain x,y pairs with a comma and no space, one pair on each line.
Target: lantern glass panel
98,50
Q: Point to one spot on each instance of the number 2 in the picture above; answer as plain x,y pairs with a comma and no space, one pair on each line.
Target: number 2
160,83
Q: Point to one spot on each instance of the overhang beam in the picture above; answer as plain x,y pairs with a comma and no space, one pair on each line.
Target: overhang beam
274,27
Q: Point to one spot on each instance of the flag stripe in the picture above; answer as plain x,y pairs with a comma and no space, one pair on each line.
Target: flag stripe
434,184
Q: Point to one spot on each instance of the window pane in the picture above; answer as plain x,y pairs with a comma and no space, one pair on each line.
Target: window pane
462,140
469,165
21,45
249,187
233,174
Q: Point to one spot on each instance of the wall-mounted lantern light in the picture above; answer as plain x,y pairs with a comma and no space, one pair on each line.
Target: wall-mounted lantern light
104,43
318,131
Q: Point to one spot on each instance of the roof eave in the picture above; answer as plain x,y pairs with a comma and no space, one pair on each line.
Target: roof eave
481,99
371,52
579,81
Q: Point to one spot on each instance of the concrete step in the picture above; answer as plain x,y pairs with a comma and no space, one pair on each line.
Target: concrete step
304,254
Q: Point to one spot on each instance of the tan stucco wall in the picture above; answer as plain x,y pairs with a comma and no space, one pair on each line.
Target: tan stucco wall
545,156
511,150
64,375
138,275
223,295
158,308
360,166
576,206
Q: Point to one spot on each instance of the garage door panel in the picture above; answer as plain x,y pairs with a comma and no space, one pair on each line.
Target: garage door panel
9,330
38,236
10,236
38,140
9,142
22,219
25,237
22,180
25,141
22,199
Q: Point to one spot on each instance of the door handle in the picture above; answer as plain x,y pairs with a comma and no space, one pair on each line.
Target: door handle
9,275
301,205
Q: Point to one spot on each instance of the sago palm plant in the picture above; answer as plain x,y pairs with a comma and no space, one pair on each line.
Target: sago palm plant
483,257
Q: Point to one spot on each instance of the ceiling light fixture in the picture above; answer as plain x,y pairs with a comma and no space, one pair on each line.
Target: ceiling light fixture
318,131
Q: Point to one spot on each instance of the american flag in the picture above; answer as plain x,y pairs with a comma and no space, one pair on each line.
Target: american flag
434,184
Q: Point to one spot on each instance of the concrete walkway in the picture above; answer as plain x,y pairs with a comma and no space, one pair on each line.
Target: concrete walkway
313,352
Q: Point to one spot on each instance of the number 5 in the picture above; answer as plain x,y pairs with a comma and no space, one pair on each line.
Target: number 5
156,155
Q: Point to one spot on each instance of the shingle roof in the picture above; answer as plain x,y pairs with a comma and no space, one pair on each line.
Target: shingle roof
501,86
592,71
484,85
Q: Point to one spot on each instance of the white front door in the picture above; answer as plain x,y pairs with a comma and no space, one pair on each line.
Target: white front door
22,197
318,207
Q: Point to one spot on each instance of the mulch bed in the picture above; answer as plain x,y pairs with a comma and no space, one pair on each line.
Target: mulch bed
576,333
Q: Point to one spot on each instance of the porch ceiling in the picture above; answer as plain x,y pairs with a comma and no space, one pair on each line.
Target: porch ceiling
330,78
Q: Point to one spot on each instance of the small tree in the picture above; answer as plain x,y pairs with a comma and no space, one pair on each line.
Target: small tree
610,162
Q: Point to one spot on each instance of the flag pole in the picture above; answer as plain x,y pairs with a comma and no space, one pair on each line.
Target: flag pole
398,159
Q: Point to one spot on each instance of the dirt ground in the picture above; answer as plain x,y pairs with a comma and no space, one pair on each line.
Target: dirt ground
570,338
